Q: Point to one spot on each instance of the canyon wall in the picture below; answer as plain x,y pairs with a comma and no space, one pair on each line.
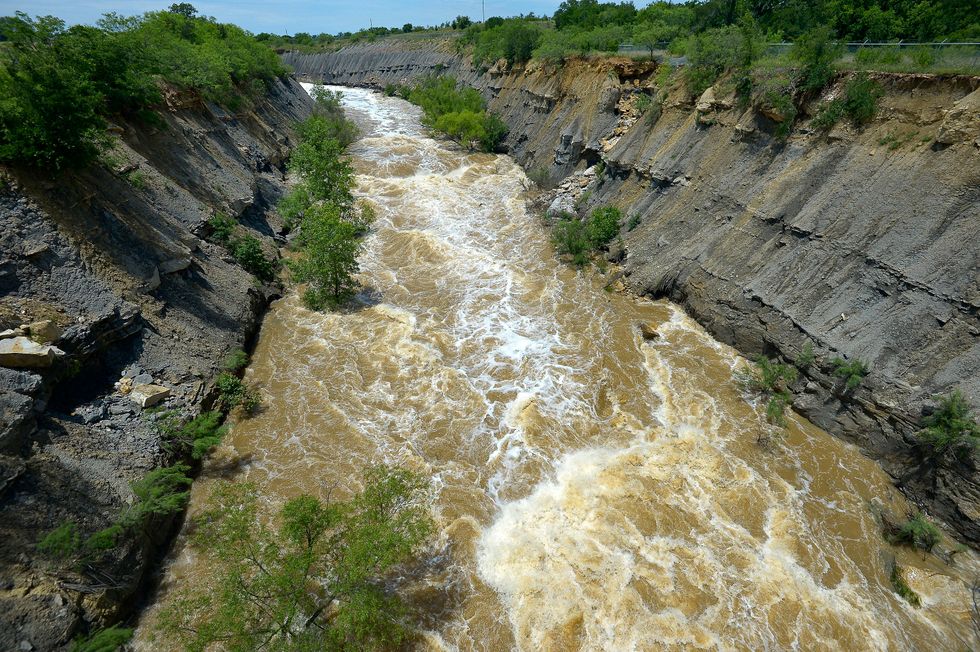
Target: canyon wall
110,265
862,242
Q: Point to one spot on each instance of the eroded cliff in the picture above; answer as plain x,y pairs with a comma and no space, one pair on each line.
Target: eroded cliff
862,242
112,264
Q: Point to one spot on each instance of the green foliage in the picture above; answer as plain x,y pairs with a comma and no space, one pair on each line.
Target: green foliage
317,159
222,227
772,381
816,52
902,587
89,73
329,120
329,258
248,253
917,532
62,542
313,579
103,541
781,103
634,222
513,40
236,361
859,103
951,428
570,236
195,437
776,408
390,89
851,372
861,97
603,225
234,392
109,639
160,492
459,113
714,52
768,376
806,357
137,179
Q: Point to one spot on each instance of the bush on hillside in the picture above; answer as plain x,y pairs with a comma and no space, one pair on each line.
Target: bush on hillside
458,113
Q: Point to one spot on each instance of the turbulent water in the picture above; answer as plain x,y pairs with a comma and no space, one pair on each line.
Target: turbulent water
593,489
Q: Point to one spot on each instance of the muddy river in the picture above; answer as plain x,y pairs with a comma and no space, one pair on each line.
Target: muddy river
594,490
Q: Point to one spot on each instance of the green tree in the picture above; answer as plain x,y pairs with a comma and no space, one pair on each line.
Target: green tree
328,261
951,428
185,9
651,35
603,225
816,53
312,580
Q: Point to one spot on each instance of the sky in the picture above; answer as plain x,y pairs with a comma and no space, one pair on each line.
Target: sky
291,16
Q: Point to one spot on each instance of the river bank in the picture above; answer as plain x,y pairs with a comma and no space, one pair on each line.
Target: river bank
115,259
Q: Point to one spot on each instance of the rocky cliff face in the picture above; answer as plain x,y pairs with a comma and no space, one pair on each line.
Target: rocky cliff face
863,243
106,271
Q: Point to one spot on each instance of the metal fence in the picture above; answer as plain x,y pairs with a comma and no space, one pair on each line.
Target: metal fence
964,55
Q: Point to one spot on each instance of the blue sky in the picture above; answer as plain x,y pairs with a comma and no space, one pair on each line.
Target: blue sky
290,16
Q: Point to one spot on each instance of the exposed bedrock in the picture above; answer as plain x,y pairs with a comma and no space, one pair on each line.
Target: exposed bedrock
109,267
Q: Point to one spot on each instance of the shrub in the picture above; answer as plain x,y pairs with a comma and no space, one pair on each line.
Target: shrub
633,222
89,73
715,51
195,437
603,226
458,113
776,408
236,361
390,90
570,236
771,379
806,357
248,252
951,427
329,258
902,587
222,227
109,639
917,532
320,564
62,542
851,372
816,53
233,391
513,40
861,97
160,492
781,103
328,120
769,376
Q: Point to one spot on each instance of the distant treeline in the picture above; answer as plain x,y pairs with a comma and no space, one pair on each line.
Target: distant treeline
59,85
581,27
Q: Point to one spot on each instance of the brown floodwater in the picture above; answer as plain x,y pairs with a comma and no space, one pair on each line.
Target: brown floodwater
593,490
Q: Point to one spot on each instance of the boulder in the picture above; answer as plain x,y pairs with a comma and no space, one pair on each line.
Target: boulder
12,332
962,122
44,330
21,352
648,332
149,395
